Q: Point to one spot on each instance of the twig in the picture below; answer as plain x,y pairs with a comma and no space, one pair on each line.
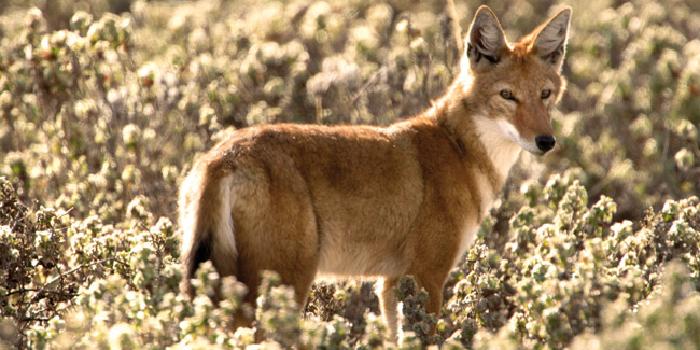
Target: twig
371,81
456,28
57,278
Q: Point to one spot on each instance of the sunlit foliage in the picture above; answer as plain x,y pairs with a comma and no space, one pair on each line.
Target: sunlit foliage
105,103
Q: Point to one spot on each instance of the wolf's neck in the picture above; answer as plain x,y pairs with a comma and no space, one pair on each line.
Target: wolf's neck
484,138
502,152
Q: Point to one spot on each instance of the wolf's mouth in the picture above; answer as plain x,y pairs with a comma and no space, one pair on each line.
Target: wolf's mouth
536,152
530,147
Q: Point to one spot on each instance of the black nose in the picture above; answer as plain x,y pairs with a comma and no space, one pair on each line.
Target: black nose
545,143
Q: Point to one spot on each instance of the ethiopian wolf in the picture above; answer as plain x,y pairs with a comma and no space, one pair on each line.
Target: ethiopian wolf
310,201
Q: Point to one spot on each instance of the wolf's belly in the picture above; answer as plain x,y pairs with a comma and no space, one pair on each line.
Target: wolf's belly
345,253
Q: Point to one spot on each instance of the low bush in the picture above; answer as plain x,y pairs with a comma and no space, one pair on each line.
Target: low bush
104,105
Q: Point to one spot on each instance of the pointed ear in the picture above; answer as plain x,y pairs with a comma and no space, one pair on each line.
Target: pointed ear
550,40
486,40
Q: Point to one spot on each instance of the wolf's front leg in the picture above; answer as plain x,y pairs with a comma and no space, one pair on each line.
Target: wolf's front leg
434,284
388,304
434,289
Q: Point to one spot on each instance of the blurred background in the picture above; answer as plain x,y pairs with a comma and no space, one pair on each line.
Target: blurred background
112,106
105,103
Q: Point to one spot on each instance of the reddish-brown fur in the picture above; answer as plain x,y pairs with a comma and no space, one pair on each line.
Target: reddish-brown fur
360,201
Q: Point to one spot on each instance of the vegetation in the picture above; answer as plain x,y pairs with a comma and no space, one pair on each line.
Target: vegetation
105,103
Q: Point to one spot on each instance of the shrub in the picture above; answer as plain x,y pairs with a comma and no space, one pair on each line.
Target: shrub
105,103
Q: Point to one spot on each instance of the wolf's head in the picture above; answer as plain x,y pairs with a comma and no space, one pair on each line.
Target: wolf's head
513,86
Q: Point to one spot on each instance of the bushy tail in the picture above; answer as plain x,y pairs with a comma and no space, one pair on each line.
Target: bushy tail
206,223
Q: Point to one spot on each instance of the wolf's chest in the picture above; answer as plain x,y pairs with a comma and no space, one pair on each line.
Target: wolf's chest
472,223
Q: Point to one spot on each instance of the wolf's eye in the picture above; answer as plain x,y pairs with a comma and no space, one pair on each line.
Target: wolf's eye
508,94
546,93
